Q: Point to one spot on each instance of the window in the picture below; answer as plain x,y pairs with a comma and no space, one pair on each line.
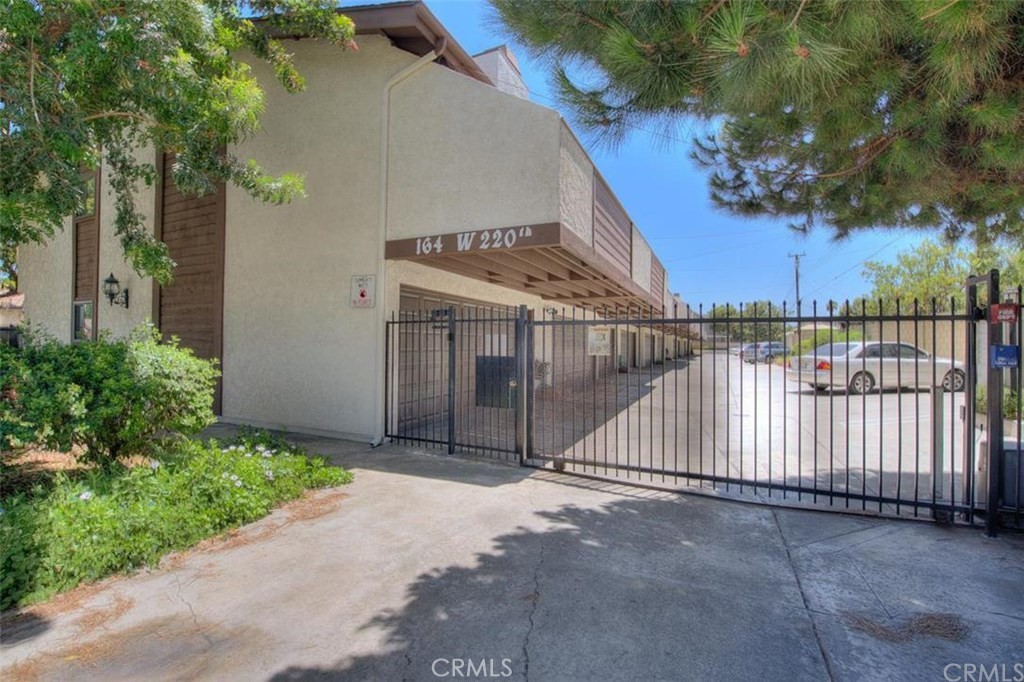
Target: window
911,352
85,281
874,351
88,208
85,316
832,350
890,351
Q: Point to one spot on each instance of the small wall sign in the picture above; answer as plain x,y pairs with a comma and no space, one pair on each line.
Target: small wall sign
1004,313
1004,357
364,291
599,341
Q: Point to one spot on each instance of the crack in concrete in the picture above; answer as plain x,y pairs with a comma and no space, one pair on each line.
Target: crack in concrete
534,600
803,596
870,587
837,535
408,664
181,598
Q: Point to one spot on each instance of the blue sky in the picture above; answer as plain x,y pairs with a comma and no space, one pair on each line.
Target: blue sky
711,257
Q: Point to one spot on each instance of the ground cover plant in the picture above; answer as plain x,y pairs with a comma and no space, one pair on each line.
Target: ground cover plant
126,481
85,524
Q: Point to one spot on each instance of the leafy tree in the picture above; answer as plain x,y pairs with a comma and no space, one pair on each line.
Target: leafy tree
733,321
119,75
890,113
937,270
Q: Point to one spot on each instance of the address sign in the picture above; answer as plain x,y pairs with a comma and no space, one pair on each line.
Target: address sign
496,239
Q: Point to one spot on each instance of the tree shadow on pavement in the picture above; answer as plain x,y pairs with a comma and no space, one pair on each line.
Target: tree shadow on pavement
629,590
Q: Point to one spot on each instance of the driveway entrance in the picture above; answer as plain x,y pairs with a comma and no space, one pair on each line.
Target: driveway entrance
424,563
616,395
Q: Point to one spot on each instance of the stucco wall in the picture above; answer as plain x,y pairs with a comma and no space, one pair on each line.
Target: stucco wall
44,276
641,260
10,318
467,156
295,353
424,277
576,185
116,319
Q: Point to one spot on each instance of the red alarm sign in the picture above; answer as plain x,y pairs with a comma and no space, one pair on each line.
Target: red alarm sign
1004,313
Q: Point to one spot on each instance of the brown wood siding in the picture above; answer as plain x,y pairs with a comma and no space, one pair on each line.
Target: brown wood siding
191,306
612,228
658,281
87,253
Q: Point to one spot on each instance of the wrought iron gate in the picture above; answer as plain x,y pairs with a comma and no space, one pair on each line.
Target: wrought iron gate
453,380
866,407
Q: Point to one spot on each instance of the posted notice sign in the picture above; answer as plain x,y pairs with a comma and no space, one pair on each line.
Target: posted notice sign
364,291
599,341
1004,313
1004,357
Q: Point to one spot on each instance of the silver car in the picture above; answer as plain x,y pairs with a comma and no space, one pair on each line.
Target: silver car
864,366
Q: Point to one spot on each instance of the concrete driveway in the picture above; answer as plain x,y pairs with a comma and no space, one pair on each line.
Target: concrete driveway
429,568
718,416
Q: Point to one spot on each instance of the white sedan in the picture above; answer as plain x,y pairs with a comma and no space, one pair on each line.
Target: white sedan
862,367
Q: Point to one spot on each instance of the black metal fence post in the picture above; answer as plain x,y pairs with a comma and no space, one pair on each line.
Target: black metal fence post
452,364
970,394
995,412
520,389
528,387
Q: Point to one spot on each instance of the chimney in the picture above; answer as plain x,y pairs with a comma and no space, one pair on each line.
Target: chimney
501,67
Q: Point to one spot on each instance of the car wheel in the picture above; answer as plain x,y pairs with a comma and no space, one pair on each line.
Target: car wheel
769,359
954,381
862,383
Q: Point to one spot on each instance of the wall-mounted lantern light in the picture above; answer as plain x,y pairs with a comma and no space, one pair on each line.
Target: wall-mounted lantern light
113,291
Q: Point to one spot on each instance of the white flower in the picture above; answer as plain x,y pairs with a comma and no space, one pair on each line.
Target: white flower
248,454
238,484
87,495
234,477
154,465
269,474
267,454
224,475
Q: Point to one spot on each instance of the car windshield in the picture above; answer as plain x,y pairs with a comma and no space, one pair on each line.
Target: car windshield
832,349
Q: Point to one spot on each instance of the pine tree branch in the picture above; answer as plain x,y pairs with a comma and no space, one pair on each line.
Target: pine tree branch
803,3
711,10
939,11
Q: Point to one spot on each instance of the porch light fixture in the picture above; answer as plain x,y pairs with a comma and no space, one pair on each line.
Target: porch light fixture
114,293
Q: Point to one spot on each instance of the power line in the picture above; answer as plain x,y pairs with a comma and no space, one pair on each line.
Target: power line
860,262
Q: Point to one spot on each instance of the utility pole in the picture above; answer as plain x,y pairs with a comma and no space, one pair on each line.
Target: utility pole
796,268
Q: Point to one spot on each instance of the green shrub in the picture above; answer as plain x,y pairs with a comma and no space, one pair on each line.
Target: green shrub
1011,403
822,336
109,396
80,530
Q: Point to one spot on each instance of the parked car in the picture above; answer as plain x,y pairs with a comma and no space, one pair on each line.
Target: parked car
766,351
864,366
745,350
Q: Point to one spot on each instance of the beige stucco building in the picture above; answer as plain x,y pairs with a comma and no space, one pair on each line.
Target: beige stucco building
427,173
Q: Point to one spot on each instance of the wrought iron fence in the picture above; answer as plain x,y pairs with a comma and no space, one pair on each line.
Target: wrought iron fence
869,407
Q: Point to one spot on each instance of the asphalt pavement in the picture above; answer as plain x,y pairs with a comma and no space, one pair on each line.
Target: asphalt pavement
431,568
